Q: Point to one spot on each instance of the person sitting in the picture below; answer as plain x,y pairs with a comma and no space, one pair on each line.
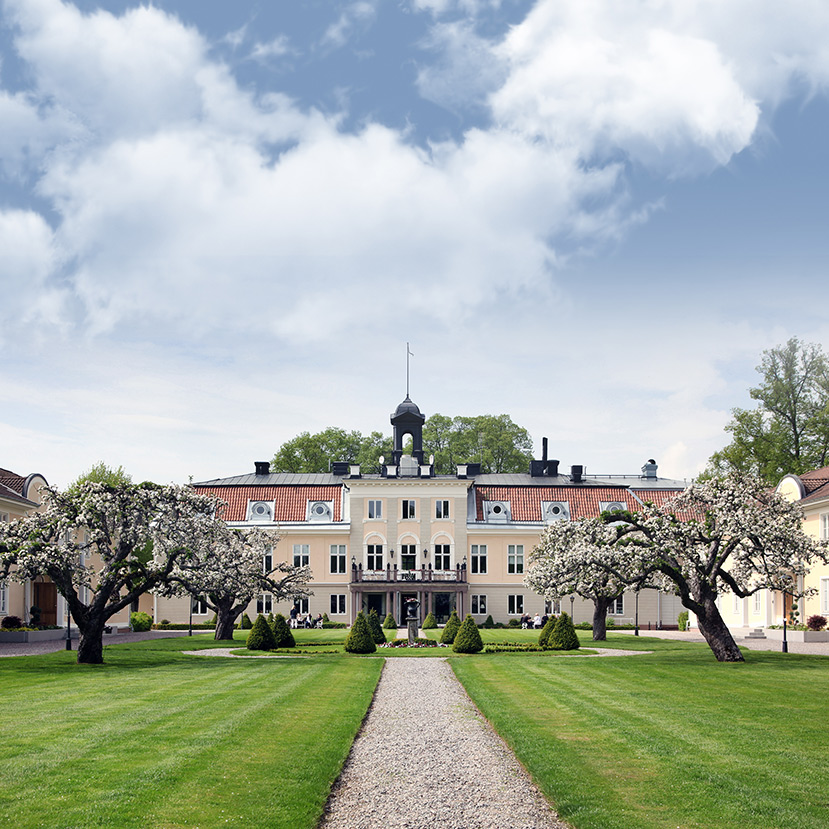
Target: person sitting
525,620
537,621
318,621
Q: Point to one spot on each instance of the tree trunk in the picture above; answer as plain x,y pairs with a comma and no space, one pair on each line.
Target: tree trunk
91,643
716,633
600,606
225,620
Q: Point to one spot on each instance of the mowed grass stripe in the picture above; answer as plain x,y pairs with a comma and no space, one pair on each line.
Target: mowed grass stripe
670,739
190,742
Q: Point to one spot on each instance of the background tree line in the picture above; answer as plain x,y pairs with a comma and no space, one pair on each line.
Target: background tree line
494,441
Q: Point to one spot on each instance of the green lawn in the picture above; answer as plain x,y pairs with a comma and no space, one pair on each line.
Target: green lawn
154,738
669,739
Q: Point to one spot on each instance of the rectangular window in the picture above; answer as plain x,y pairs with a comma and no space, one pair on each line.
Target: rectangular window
824,526
301,555
553,607
337,604
757,604
267,562
515,558
374,557
407,508
443,558
617,607
4,518
301,605
199,606
375,509
337,558
478,604
478,558
408,557
515,604
824,596
738,605
264,604
4,599
441,509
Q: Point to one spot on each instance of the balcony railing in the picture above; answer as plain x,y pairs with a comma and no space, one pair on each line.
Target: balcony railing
392,575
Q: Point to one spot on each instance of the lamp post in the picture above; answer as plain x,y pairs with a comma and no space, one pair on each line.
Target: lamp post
636,616
572,599
190,629
785,647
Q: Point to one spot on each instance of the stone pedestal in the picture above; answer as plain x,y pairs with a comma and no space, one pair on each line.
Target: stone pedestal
412,626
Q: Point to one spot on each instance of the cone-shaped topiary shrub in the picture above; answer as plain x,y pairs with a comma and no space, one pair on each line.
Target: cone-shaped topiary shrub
325,618
488,622
450,631
282,636
260,637
429,622
563,637
389,623
359,639
374,626
468,639
544,636
246,623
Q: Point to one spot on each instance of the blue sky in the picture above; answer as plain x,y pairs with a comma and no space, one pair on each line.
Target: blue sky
220,223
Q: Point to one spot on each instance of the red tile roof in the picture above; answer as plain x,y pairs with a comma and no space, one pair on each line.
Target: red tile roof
291,501
525,501
657,497
12,481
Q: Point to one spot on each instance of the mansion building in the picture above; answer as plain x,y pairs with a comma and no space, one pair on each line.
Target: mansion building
377,539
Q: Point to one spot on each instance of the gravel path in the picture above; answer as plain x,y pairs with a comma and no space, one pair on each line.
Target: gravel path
426,757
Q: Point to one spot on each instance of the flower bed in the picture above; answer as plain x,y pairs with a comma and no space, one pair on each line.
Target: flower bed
418,643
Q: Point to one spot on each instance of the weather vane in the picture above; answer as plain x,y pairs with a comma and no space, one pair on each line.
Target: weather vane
408,354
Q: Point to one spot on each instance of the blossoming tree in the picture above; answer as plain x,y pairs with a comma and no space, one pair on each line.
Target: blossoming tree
100,544
581,558
228,567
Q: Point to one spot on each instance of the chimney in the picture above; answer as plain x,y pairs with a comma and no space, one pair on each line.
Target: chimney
575,474
649,469
262,467
544,451
552,468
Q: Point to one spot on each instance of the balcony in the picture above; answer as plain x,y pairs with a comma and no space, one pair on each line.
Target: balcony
391,575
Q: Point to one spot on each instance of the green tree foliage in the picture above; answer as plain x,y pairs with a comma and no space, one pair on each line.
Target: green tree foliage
282,636
450,631
563,636
389,623
375,627
468,639
546,632
260,637
429,622
788,431
494,441
100,473
140,621
359,639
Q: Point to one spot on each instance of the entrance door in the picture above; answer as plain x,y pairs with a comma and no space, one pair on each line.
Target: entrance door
443,604
376,602
45,596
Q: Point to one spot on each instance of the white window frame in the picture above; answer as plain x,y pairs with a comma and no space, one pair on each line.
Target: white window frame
374,510
302,605
408,510
302,555
373,553
515,604
738,605
552,607
757,604
442,509
337,559
267,562
338,604
264,603
617,606
478,604
198,605
824,526
477,559
443,557
515,559
4,518
824,596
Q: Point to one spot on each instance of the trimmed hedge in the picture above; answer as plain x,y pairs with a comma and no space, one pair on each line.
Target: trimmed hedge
563,637
468,639
184,626
544,636
282,636
359,639
140,621
374,626
389,623
450,631
260,637
429,623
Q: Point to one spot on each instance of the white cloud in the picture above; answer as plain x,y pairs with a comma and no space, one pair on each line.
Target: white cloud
354,18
